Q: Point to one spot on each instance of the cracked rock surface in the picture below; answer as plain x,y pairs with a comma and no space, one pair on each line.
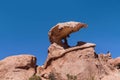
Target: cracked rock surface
80,61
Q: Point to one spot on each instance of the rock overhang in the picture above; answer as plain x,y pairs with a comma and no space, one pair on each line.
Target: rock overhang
59,33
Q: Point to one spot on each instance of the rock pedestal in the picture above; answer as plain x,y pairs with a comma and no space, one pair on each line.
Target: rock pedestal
80,62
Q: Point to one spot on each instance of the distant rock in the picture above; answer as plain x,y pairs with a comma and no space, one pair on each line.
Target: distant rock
115,62
19,67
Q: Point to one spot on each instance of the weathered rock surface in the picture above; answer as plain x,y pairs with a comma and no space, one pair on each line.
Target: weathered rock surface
19,67
62,30
81,62
115,62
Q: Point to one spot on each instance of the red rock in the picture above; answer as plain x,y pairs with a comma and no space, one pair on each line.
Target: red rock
61,31
79,62
20,67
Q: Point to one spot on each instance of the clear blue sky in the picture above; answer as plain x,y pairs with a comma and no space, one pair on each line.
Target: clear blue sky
24,25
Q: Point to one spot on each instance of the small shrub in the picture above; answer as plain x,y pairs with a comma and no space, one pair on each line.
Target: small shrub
71,77
35,77
52,76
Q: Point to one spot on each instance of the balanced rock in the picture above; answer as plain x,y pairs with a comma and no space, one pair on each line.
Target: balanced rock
59,33
79,62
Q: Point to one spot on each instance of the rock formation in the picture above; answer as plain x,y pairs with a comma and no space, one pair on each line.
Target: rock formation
80,62
20,67
59,33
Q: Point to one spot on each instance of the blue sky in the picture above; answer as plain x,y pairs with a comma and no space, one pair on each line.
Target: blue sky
24,25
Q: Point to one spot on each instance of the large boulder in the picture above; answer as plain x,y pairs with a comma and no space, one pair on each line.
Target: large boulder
78,63
20,67
58,34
